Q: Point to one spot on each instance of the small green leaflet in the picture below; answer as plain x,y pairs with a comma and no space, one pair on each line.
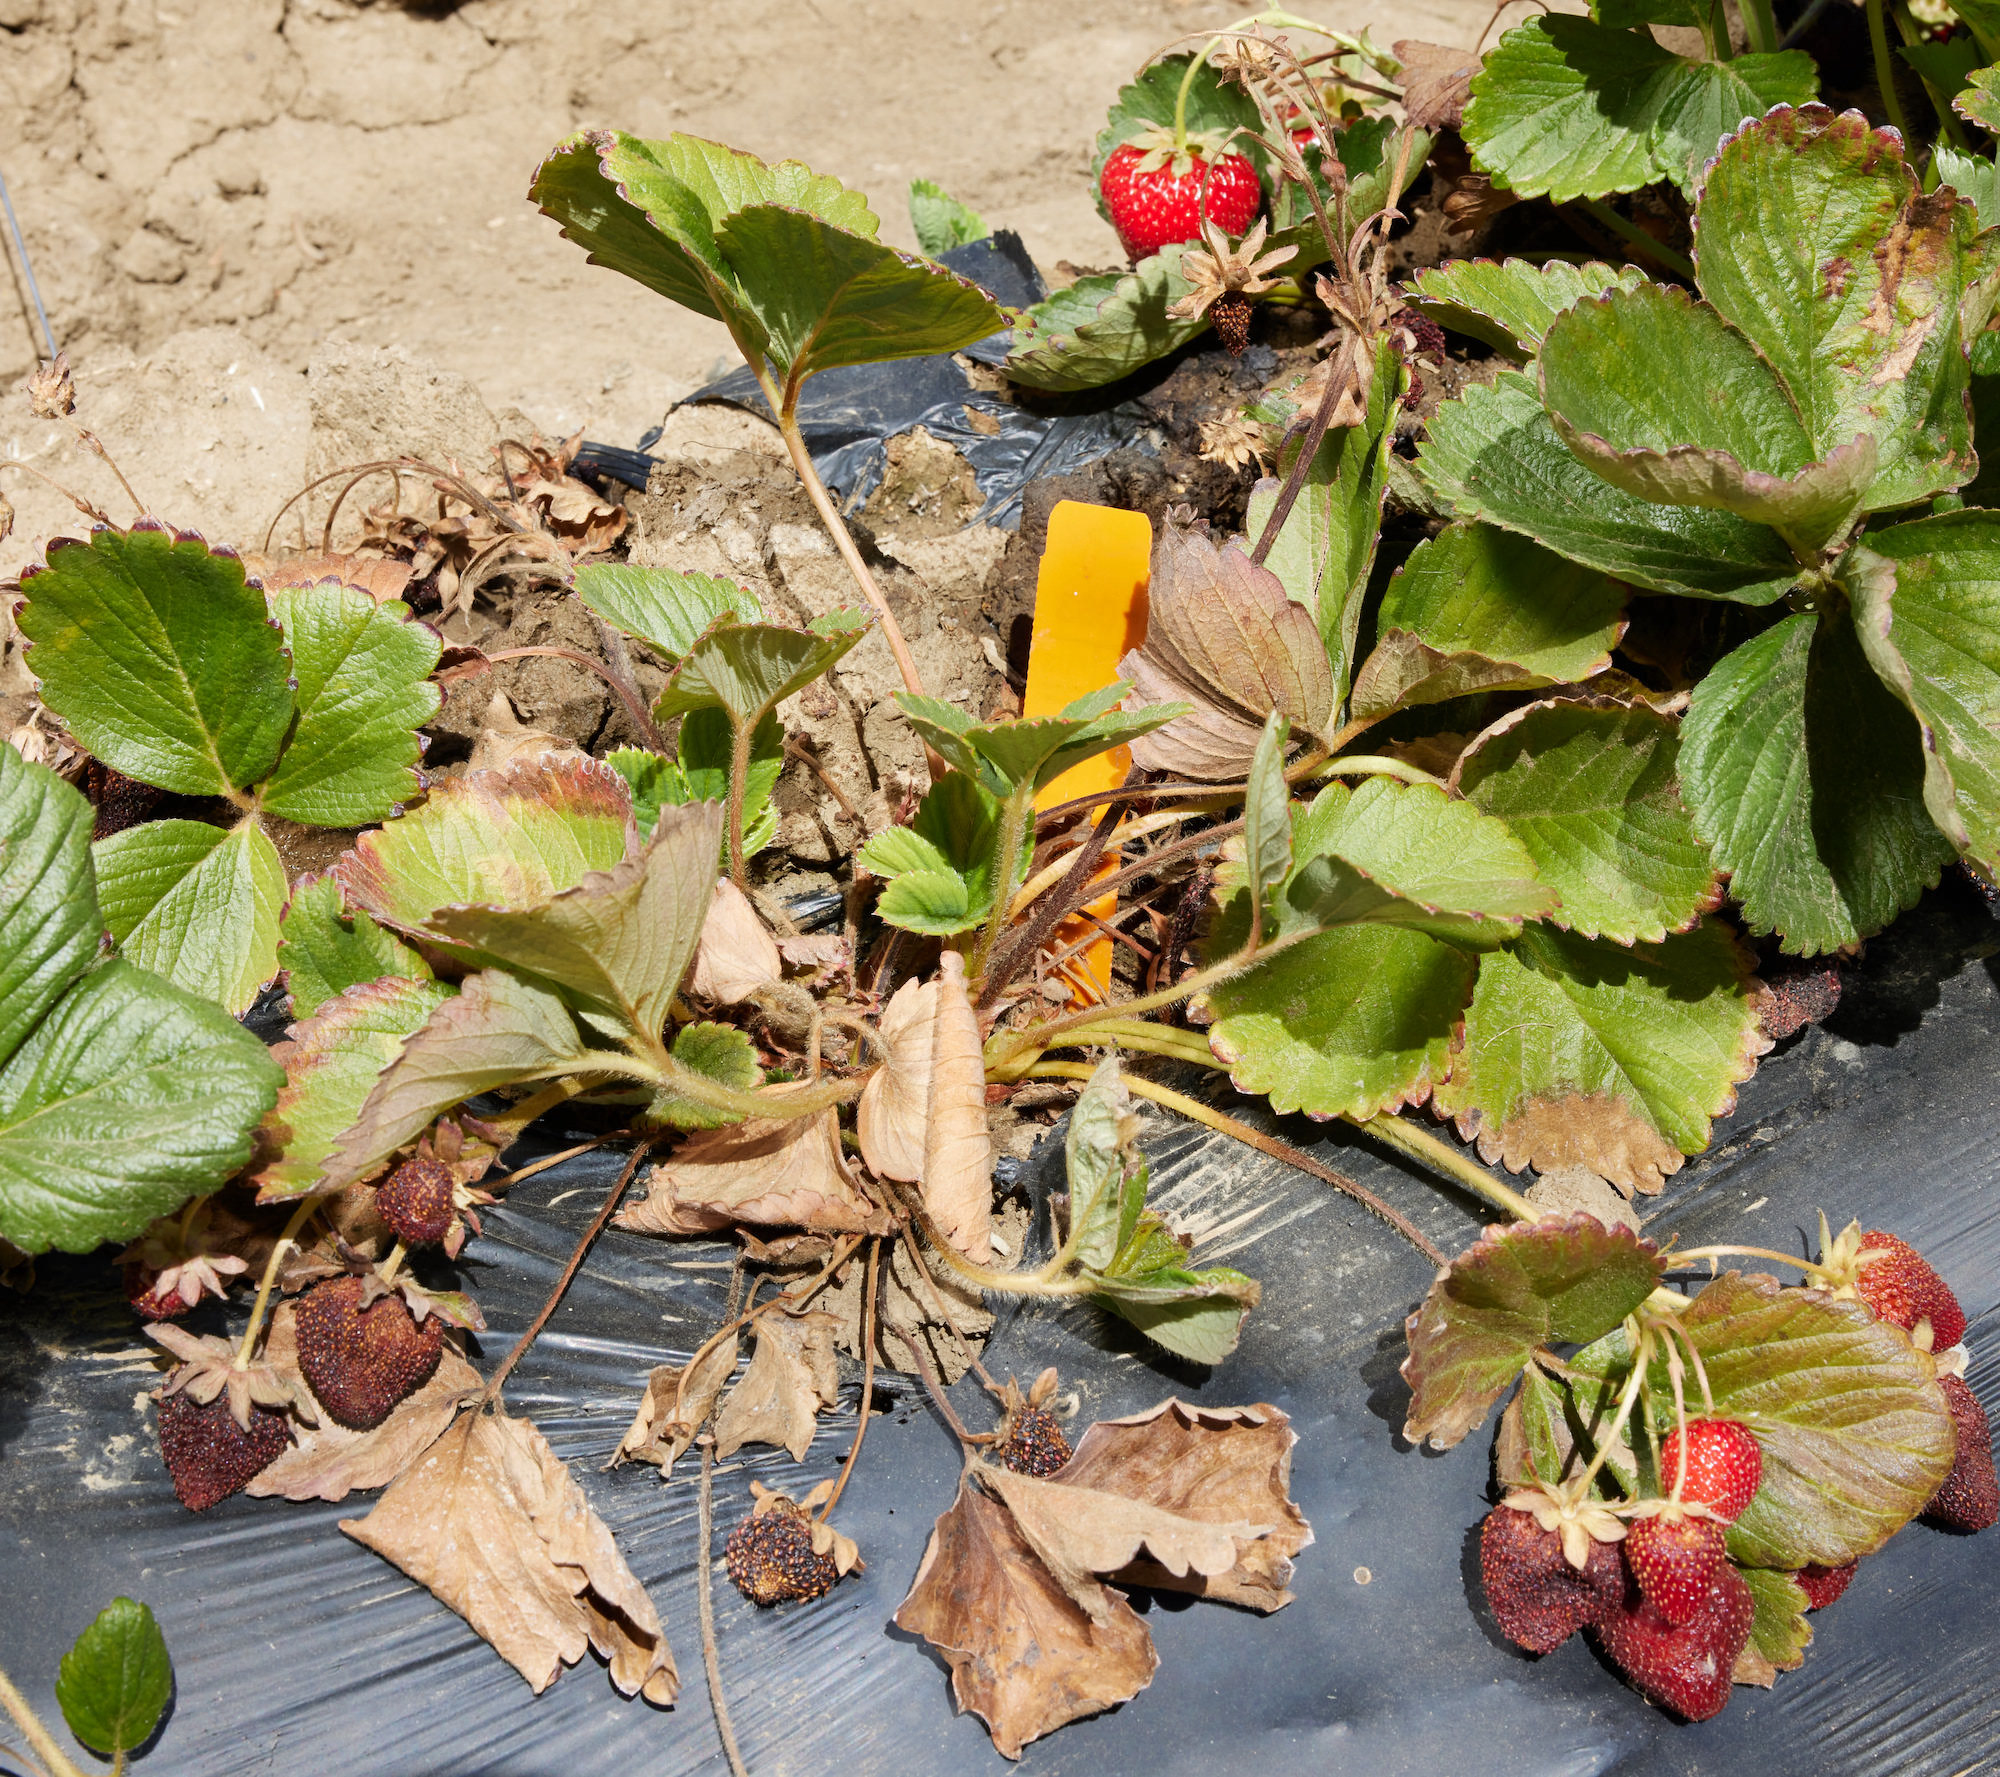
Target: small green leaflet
1509,303
722,1053
940,867
666,610
49,918
1005,756
1980,102
701,774
750,668
325,950
1975,177
116,1680
1779,1631
940,221
1194,1314
1267,816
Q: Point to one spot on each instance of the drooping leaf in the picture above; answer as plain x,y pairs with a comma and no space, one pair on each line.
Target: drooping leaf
894,1112
50,924
364,689
1580,1051
940,221
1492,453
116,1680
1927,611
719,1052
736,956
1509,303
793,1376
1519,1287
958,1151
1568,108
751,668
196,904
940,867
126,1099
1196,1314
1103,327
1806,778
1105,1169
1006,755
665,609
760,1172
1591,793
160,659
324,950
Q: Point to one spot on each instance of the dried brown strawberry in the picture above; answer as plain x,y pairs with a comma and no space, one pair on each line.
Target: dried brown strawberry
360,1361
772,1560
209,1455
1970,1496
416,1201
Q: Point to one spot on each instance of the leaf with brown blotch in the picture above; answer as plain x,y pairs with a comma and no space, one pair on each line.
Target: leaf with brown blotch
1025,1657
1436,82
332,1462
1214,1464
495,1525
1080,1532
764,1171
655,1434
736,954
1223,635
792,1375
958,1151
1589,1129
894,1110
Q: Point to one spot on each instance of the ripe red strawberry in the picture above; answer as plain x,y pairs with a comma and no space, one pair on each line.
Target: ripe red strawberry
1724,1466
1900,1287
1970,1496
359,1362
1824,1584
209,1455
1538,1599
1674,1558
1685,1669
415,1200
1154,191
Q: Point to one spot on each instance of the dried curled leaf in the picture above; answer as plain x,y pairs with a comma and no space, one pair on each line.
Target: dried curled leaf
494,1524
792,1375
736,954
1436,82
958,1151
658,1434
764,1171
893,1114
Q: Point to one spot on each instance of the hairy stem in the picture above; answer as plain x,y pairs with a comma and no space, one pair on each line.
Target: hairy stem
46,1747
1759,26
1441,1156
1076,887
1006,862
1372,765
1641,1337
711,1653
286,1241
1885,70
1629,231
739,781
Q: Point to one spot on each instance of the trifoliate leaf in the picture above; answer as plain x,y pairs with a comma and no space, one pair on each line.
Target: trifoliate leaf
722,1053
1509,303
49,919
1591,793
940,221
940,867
1806,778
1004,755
116,1679
129,1097
1104,327
666,610
160,659
364,689
1927,611
1195,1314
1519,1287
749,669
1493,453
196,904
1566,108
324,950
1876,349
1582,1052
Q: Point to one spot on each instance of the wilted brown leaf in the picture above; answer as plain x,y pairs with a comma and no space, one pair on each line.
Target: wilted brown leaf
1219,1465
1564,1190
1222,635
736,955
958,1151
492,1522
504,737
1025,1657
814,950
1591,1129
893,1114
1435,79
381,577
792,1375
785,1174
655,1435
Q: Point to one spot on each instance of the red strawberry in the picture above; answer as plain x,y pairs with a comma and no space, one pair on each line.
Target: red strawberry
1674,1558
1154,190
416,1201
1538,1599
1900,1287
1724,1466
359,1361
209,1455
148,1300
1687,1669
1970,1496
1824,1584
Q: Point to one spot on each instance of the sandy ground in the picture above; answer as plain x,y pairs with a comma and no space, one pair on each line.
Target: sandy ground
217,194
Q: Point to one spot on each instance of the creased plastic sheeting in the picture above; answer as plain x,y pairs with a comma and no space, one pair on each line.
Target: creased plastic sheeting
298,1650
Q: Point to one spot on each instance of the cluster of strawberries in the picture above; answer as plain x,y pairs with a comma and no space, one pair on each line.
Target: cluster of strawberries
1651,1579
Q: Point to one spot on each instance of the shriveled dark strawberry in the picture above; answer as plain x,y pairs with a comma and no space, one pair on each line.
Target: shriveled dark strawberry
120,801
1031,1444
359,1362
1685,1669
149,1301
772,1560
1823,1585
1155,189
1674,1557
415,1200
209,1455
1970,1496
1538,1598
1899,1286
1231,314
1724,1465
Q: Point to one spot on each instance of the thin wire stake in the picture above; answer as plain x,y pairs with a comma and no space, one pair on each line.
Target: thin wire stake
27,268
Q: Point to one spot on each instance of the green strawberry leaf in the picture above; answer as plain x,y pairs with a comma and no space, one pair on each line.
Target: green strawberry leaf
1980,102
1806,779
749,669
363,676
1975,177
1565,108
116,1680
324,950
719,1051
1103,327
1105,1168
50,924
129,1097
1580,1051
940,867
332,1061
1213,106
1005,755
1267,814
1346,1022
1779,1631
1195,1314
1493,453
160,659
196,904
1927,611
668,611
1875,350
1510,303
1591,793
939,221
1520,1287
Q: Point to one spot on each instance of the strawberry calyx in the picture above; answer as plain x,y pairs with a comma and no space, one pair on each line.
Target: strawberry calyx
1575,1516
1159,147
